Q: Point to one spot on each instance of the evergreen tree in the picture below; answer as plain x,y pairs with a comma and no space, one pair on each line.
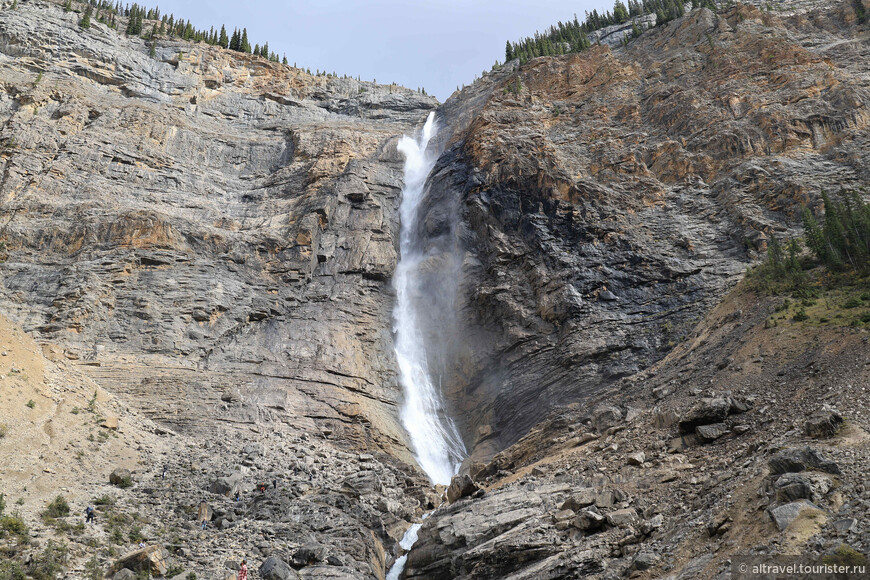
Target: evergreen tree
620,12
85,22
235,42
244,45
223,41
284,60
508,52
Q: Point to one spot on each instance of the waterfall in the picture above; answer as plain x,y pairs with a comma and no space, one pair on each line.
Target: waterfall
435,440
408,540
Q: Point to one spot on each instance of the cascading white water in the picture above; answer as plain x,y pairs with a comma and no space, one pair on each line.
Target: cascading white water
436,442
408,540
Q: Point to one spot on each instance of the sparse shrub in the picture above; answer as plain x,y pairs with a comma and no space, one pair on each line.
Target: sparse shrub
117,536
800,315
93,570
852,303
47,564
31,403
136,536
2,503
12,570
14,526
3,430
58,508
104,500
846,556
75,411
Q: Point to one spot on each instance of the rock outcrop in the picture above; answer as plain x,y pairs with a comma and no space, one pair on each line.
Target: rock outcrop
204,222
606,200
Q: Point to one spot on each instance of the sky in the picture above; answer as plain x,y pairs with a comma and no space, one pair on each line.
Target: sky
415,43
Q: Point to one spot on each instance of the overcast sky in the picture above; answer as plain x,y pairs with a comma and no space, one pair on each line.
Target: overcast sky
416,43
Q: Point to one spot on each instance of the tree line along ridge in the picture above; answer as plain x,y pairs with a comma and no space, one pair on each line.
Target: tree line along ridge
572,36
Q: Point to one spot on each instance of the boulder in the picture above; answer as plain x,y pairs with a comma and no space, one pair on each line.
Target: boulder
622,518
738,405
110,422
800,459
124,574
823,423
636,458
644,560
707,412
227,485
708,433
653,523
119,476
606,416
309,554
604,499
252,450
580,499
563,515
274,568
845,525
663,418
784,515
460,486
589,519
151,559
807,485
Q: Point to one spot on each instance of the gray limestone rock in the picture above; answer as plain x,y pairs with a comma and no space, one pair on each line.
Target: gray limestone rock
707,412
804,485
274,568
823,423
606,416
800,459
785,514
711,432
622,518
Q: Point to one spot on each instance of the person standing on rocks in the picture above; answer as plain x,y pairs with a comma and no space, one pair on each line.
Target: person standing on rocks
243,571
89,514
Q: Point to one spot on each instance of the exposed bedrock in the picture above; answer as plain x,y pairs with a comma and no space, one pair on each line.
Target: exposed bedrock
602,202
207,232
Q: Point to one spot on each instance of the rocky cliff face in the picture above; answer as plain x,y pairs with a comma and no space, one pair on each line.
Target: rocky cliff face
607,200
211,233
209,238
